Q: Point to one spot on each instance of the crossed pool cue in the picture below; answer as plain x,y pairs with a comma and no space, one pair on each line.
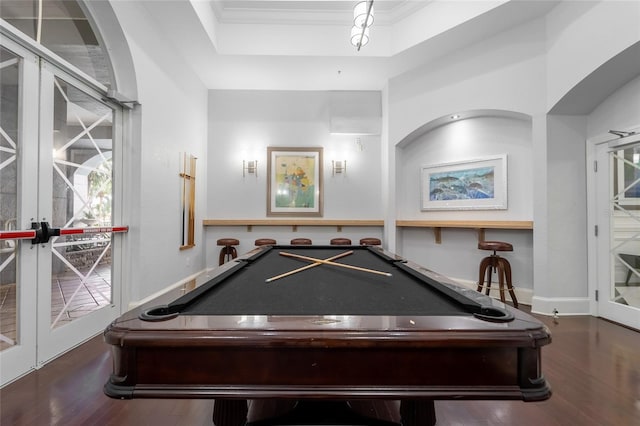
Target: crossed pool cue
318,262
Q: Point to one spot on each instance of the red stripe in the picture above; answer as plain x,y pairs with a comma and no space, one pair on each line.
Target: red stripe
94,230
71,231
30,234
17,235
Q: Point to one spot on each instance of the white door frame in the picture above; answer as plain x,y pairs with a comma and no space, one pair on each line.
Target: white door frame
37,342
18,360
53,342
598,198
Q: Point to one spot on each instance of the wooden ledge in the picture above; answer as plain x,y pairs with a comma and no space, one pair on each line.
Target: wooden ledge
478,225
294,223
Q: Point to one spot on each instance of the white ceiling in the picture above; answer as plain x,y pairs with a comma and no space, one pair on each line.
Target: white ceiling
309,11
304,45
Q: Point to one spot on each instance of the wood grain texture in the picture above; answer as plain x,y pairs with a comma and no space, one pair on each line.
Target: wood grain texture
593,367
291,222
469,224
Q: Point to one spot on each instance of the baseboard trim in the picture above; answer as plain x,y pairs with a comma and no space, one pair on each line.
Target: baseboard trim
524,295
560,306
183,281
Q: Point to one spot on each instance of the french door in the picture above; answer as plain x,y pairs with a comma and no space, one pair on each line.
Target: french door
60,168
617,199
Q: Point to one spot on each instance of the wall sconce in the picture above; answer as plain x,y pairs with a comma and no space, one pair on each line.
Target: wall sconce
339,167
249,167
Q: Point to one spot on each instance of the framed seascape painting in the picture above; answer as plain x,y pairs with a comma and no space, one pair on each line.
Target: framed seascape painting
478,184
294,185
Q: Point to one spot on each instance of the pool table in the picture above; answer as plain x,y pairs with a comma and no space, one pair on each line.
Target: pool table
279,324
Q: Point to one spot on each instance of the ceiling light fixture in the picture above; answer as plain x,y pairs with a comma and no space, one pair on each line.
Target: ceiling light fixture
362,20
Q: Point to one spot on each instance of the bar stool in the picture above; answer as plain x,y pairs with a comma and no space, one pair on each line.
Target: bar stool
228,251
499,264
369,241
265,242
301,242
340,242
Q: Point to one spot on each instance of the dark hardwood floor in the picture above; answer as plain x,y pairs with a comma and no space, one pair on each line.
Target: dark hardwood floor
593,367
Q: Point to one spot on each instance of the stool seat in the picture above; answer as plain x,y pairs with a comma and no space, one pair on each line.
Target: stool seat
340,242
228,251
265,242
301,242
495,246
369,241
228,242
500,265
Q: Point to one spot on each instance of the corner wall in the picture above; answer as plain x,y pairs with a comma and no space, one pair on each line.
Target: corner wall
503,73
170,120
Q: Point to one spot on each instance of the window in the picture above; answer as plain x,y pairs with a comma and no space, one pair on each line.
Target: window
62,27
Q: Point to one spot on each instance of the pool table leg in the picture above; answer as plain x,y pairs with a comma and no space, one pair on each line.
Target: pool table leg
419,412
230,412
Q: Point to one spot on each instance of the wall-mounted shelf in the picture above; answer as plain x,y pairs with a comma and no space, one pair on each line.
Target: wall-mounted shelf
478,225
293,223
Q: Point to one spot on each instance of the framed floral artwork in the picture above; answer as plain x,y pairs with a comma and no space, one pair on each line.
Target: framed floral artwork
294,185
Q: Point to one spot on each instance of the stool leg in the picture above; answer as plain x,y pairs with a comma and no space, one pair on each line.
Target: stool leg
490,268
227,253
507,270
501,275
484,264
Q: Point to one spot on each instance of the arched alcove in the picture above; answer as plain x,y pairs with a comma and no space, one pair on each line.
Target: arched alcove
457,116
468,136
592,90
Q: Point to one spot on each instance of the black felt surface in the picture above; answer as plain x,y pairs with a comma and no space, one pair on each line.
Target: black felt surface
322,290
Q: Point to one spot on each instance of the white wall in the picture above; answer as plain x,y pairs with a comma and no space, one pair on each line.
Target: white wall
459,140
583,35
566,212
242,124
466,140
527,69
505,72
620,111
171,119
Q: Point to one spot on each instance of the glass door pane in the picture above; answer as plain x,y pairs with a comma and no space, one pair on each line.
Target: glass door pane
9,121
18,207
82,196
625,226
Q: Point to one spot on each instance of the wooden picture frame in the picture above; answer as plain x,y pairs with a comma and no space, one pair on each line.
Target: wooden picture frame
294,184
477,184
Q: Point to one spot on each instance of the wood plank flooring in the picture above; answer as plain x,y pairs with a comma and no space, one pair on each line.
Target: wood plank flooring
593,367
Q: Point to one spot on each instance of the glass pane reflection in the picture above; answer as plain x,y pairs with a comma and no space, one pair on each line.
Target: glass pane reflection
625,226
64,29
9,140
82,197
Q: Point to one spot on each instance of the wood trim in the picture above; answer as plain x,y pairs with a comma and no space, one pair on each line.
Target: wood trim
294,223
478,225
469,224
